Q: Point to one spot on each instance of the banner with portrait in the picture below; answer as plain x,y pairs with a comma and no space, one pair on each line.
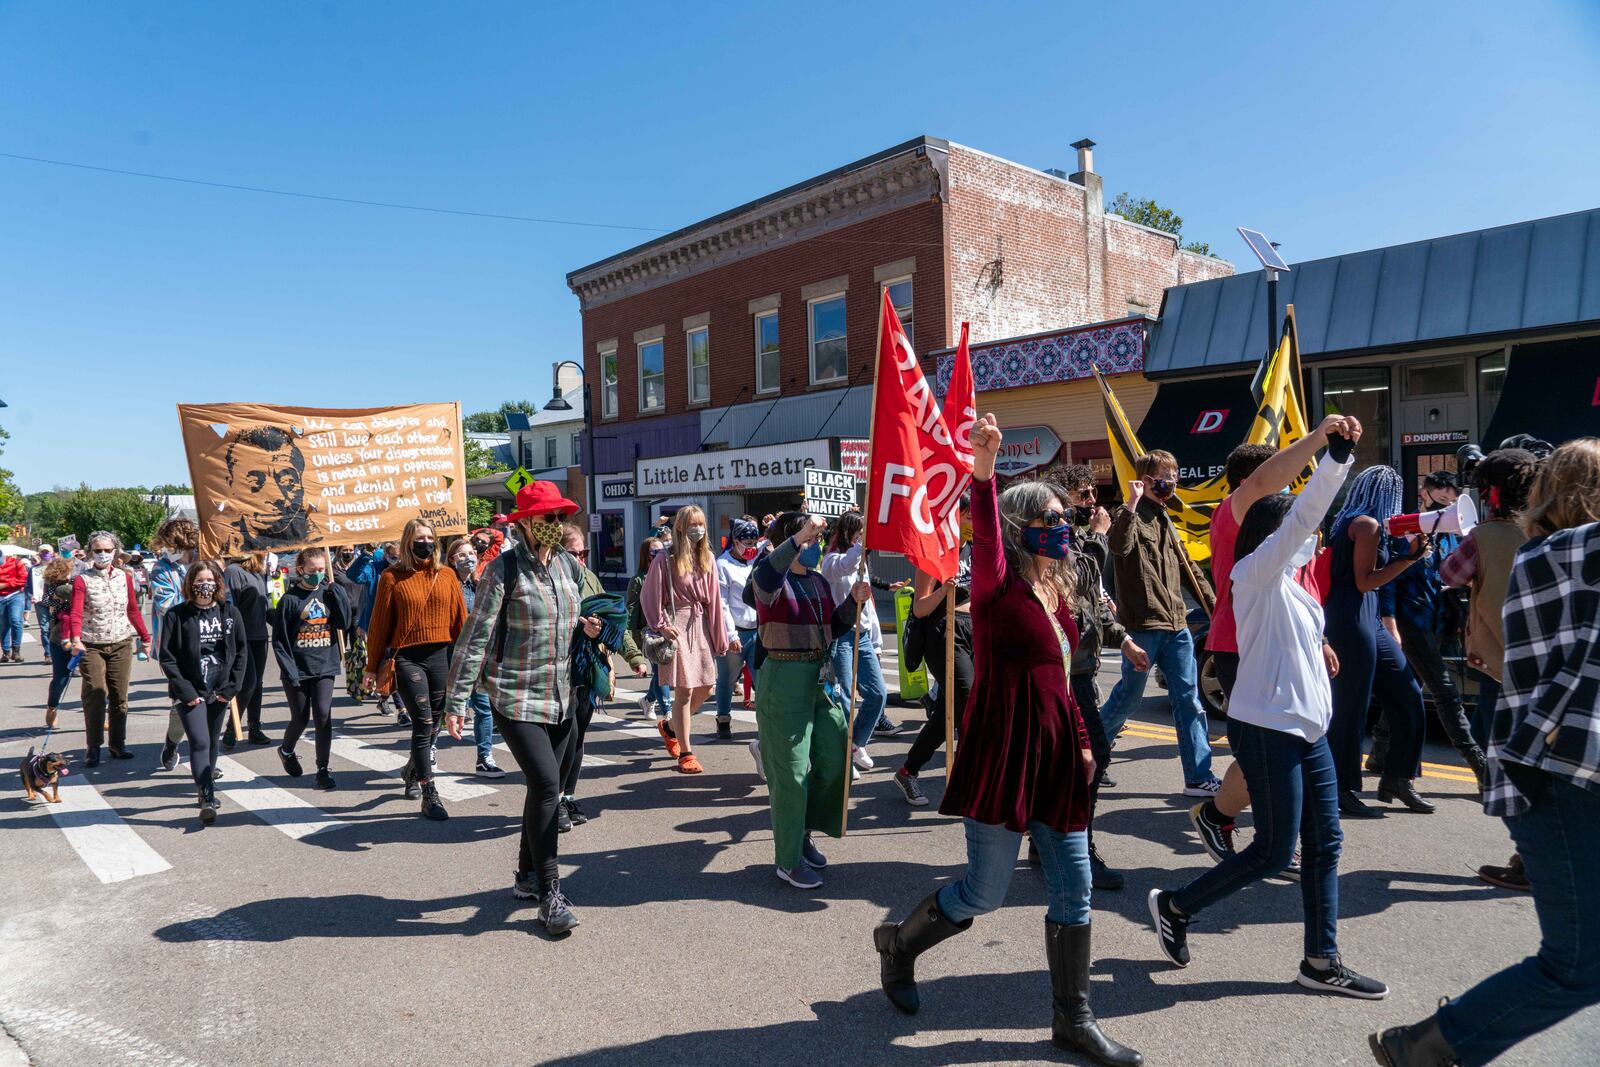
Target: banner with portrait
271,478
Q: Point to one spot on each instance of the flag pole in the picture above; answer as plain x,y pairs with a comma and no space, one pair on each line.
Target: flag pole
948,683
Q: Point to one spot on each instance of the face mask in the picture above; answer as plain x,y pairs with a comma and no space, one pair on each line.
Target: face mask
966,532
1081,514
46,557
173,555
347,557
466,564
103,559
696,534
810,556
748,554
421,550
544,534
1160,488
1049,541
205,590
311,579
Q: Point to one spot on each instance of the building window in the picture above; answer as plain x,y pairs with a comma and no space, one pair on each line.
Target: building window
1491,380
577,447
900,297
608,384
652,376
527,454
549,451
767,352
828,354
1434,379
1364,393
699,345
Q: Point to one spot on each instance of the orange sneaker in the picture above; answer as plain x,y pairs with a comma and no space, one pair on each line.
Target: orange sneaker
687,764
673,748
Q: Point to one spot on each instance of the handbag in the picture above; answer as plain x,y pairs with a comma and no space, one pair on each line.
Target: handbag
660,649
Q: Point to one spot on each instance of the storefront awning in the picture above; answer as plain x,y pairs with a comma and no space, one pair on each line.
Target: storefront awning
1200,422
1551,391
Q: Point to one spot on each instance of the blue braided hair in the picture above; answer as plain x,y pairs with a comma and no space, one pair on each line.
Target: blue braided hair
1374,493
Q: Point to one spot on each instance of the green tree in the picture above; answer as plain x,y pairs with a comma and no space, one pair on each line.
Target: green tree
172,490
1146,212
42,513
130,515
495,421
480,461
12,503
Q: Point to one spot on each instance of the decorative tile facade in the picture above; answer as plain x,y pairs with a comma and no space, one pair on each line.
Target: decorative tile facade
1058,356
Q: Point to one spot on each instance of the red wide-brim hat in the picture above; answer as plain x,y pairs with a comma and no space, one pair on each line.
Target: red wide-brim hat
541,498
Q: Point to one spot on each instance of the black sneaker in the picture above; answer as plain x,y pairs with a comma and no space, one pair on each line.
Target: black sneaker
1102,876
402,716
1216,838
488,768
1106,781
724,729
563,820
910,789
291,763
575,813
120,753
324,779
258,736
91,758
887,727
1172,929
555,911
169,756
229,744
432,807
1337,978
524,886
1291,873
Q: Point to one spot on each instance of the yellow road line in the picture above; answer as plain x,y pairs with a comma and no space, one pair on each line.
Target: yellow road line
1448,772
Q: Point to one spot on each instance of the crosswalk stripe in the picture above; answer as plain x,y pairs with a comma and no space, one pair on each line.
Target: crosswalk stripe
276,807
110,847
388,761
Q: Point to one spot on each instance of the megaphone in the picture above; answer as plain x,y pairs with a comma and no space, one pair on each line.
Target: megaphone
1458,518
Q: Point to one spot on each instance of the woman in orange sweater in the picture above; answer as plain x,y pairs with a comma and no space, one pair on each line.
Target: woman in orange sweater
417,613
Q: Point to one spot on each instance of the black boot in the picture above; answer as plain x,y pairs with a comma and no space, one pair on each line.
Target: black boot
1418,1045
208,803
1479,765
1073,1027
432,807
899,945
1402,790
1102,876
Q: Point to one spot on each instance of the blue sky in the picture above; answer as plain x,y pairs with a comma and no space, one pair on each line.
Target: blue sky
1332,127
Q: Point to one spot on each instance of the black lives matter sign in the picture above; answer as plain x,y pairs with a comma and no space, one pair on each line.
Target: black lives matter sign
830,493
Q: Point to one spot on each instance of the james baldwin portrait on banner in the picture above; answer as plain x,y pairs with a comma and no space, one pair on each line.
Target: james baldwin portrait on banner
266,471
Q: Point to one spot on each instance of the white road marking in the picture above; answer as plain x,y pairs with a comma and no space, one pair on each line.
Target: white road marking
276,807
111,848
390,761
80,1031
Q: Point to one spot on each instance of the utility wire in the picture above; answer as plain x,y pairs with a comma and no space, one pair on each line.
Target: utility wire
331,199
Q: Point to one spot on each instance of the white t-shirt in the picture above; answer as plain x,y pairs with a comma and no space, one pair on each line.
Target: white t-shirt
840,570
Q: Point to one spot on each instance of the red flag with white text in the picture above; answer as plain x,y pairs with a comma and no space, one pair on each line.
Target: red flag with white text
916,472
961,399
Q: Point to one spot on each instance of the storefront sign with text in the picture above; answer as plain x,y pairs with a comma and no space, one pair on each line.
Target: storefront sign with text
737,469
1026,448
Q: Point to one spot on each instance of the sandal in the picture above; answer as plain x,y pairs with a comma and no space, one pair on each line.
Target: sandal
673,748
687,764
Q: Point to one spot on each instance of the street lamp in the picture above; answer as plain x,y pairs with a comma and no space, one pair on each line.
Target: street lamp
560,403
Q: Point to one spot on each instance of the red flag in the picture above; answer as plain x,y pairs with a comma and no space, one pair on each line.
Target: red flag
961,400
916,473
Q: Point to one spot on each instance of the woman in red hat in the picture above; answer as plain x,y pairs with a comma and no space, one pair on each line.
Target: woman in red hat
515,646
681,601
417,613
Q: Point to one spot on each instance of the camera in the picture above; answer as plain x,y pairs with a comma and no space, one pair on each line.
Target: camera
1467,459
1469,456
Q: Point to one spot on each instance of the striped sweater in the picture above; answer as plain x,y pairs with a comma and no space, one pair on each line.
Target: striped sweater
796,612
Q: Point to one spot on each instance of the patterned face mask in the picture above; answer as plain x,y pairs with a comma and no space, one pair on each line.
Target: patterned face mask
544,534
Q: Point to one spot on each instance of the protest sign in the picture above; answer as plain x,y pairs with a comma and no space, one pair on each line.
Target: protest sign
829,493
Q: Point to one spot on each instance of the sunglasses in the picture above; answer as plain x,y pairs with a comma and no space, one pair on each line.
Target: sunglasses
1086,494
582,554
1052,517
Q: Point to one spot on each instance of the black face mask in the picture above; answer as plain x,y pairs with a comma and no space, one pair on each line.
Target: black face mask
421,551
1082,513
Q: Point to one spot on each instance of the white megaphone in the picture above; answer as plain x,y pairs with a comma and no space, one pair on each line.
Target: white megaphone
1458,518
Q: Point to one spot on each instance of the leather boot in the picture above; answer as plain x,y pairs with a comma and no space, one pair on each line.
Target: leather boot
1418,1045
1405,792
1480,766
208,803
1073,1027
899,945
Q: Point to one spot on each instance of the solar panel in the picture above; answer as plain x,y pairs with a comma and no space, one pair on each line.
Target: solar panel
516,420
1263,249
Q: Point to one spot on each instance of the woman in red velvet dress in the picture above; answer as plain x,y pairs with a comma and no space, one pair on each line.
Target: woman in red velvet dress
1024,764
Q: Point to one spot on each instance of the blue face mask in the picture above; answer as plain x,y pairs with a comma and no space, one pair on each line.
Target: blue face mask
1051,541
810,556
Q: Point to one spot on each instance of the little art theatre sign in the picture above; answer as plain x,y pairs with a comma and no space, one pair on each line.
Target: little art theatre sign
736,470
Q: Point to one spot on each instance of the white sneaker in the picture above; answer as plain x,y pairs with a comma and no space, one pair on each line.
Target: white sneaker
755,754
1207,789
859,757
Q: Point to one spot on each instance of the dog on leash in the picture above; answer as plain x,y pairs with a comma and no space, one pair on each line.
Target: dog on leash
41,775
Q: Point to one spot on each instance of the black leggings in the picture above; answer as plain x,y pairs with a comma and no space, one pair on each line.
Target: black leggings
311,699
419,673
255,676
931,736
583,705
203,724
1086,691
542,753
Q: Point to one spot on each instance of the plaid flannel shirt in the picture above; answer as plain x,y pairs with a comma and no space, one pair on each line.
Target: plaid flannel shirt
529,683
1548,718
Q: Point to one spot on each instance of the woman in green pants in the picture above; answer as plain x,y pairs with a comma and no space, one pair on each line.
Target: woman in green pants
801,726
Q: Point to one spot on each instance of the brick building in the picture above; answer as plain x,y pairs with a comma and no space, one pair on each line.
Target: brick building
752,333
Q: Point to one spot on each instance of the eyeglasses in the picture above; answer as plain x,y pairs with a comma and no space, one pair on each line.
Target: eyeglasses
1052,517
1085,494
582,554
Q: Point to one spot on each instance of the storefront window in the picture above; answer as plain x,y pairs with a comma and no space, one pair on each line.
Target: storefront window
1364,393
1491,381
608,548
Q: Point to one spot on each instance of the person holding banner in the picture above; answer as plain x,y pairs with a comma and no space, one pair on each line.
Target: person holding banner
801,727
681,601
1025,765
858,651
417,615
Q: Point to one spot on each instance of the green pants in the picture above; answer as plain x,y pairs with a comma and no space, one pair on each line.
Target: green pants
803,752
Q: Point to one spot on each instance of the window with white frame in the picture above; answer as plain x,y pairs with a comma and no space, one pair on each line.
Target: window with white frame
767,352
549,451
608,384
900,296
652,376
699,346
577,447
828,354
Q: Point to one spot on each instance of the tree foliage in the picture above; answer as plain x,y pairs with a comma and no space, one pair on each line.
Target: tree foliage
11,500
495,421
480,461
128,514
1146,212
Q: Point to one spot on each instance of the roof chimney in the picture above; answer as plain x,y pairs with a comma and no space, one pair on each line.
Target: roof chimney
1085,149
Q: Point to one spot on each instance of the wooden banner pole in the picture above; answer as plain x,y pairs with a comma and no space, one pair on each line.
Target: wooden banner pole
850,711
948,682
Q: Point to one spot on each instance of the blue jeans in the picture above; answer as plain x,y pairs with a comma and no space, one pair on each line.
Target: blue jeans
728,668
43,619
12,610
869,687
1294,793
482,724
60,674
992,853
1173,652
1483,714
658,693
1558,839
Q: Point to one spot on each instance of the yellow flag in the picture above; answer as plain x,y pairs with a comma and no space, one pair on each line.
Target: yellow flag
1281,418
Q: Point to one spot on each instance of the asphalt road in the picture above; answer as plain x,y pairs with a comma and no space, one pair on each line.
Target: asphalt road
315,928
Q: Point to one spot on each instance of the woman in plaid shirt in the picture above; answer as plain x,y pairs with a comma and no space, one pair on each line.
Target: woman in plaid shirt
1544,777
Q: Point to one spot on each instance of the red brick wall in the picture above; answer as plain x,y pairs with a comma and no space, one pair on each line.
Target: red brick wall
725,293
